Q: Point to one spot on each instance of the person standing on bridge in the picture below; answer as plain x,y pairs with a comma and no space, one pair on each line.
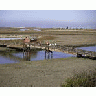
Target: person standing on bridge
26,42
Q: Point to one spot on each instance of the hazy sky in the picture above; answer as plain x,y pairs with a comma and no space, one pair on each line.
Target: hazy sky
61,15
49,15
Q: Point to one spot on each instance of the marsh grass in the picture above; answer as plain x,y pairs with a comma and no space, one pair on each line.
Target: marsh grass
81,80
11,41
47,38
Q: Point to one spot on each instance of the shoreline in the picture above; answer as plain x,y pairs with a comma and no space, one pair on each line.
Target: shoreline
46,73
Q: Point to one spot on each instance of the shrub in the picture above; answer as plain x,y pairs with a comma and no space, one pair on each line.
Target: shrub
81,80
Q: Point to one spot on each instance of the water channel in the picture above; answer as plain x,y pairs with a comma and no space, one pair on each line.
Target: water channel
90,48
15,57
9,38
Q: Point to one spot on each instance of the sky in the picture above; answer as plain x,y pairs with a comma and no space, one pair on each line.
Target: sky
81,16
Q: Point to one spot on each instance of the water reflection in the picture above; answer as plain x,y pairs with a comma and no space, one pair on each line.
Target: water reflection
48,55
40,55
14,57
26,56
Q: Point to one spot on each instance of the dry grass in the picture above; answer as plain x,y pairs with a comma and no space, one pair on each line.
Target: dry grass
61,37
14,42
75,39
46,73
47,38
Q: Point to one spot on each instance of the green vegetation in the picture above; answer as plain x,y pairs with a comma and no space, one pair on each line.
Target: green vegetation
81,80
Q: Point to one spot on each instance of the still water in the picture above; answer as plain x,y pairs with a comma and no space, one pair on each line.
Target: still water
31,56
15,57
90,48
9,38
4,60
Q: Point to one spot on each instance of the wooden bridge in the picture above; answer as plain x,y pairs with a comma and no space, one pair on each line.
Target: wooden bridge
27,46
71,50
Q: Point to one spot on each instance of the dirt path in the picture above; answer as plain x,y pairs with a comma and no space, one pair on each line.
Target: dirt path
43,73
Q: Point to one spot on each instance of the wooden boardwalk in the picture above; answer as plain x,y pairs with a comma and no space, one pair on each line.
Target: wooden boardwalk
71,50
